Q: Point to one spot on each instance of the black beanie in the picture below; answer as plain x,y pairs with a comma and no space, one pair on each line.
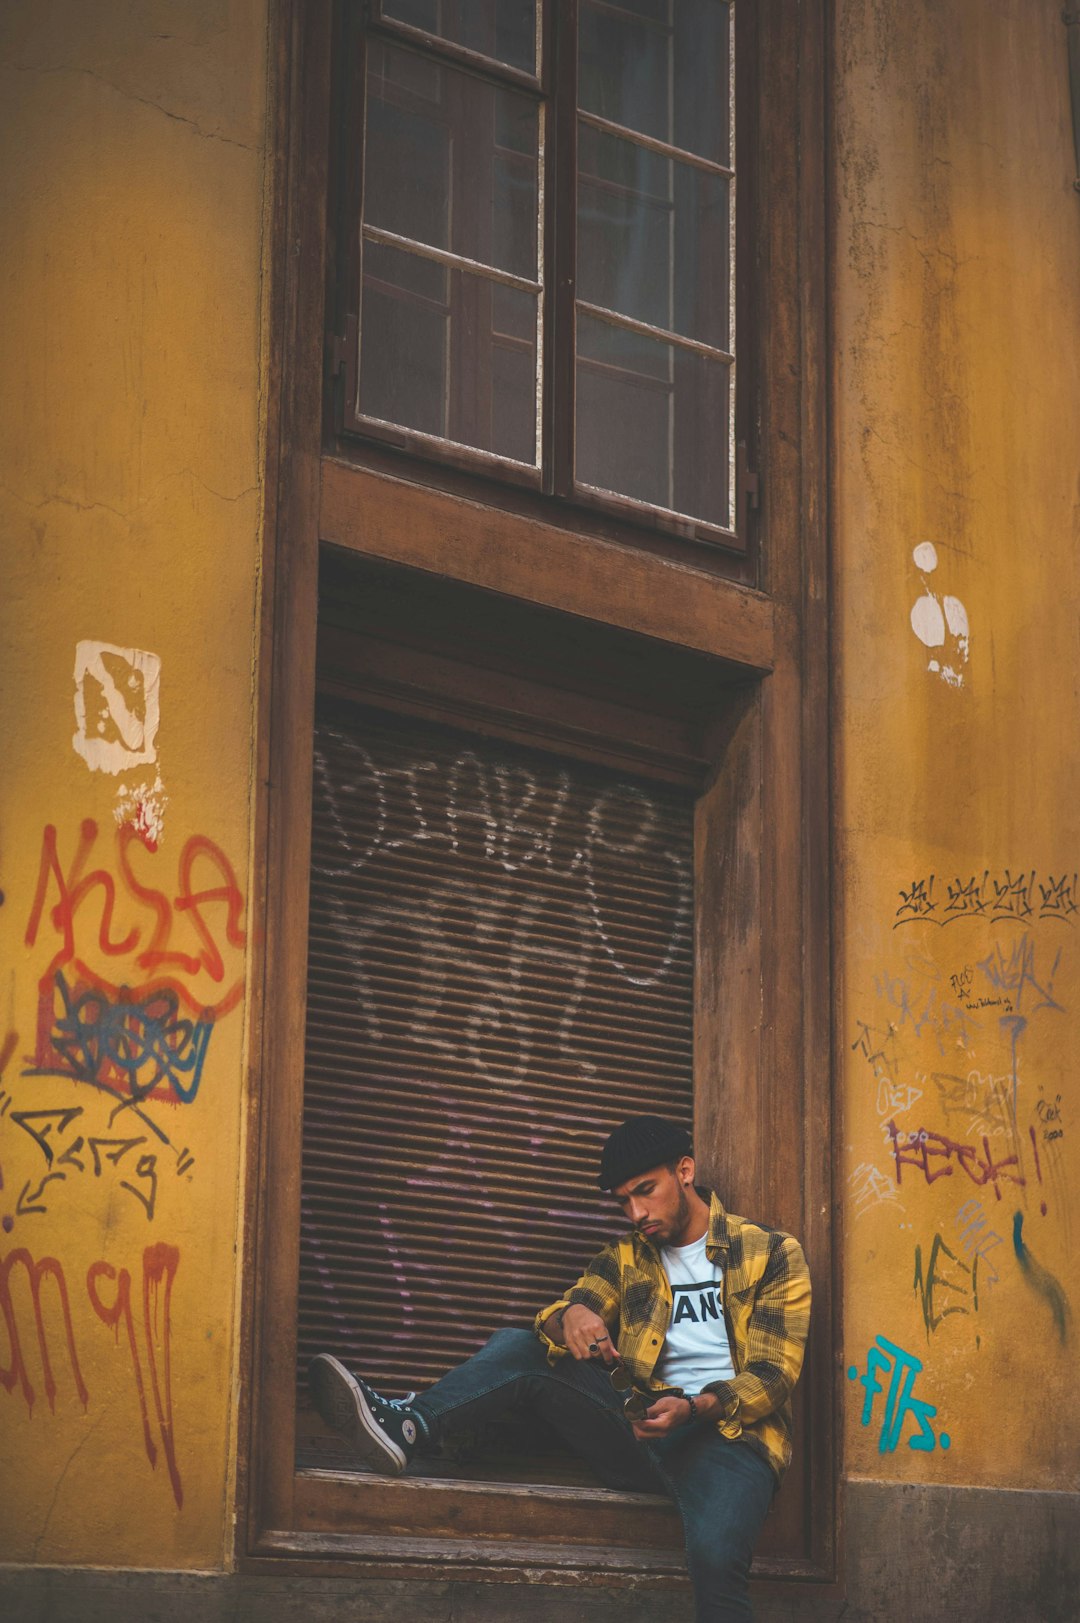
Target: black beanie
641,1143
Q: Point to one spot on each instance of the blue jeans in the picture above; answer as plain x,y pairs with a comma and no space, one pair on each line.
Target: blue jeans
723,1489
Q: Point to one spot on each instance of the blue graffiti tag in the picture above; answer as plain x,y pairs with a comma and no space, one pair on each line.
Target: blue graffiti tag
137,1044
881,1358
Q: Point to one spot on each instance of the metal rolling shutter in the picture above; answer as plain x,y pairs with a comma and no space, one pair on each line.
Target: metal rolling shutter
500,970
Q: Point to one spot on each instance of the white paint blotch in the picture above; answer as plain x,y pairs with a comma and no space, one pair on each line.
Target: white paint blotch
927,621
116,706
142,807
956,616
932,616
957,621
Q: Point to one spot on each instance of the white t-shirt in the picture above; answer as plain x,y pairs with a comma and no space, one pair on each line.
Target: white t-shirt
696,1348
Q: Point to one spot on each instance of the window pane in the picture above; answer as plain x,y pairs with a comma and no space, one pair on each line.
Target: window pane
513,402
504,30
448,353
653,239
513,228
404,325
660,67
652,421
451,161
702,72
407,167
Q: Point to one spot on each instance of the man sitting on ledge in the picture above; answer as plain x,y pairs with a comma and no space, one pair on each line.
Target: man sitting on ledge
668,1367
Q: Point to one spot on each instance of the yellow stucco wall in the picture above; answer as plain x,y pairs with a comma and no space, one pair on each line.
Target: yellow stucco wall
957,448
131,193
130,501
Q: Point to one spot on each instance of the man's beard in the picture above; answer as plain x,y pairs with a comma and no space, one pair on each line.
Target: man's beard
682,1215
679,1221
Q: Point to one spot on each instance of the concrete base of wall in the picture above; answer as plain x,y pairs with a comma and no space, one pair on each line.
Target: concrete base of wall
913,1555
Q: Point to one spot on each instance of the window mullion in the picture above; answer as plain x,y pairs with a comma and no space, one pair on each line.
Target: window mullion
394,30
562,183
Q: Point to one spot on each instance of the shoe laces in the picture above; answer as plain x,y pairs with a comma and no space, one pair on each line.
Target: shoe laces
399,1403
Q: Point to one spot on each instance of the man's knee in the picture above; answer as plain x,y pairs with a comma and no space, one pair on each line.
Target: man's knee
513,1336
523,1354
520,1346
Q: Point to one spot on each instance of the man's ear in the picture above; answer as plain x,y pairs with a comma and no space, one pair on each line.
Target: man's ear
685,1171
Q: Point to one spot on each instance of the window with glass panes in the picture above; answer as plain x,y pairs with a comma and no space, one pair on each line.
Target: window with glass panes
539,247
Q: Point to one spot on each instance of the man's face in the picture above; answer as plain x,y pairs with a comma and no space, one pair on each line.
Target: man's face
657,1202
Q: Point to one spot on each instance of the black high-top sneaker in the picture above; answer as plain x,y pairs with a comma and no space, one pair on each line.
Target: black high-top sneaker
384,1431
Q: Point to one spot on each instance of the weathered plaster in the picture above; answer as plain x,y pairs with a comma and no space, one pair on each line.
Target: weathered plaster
957,378
130,503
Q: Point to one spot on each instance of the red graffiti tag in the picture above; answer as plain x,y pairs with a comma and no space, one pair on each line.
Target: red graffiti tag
15,1371
208,901
922,1148
74,887
160,1263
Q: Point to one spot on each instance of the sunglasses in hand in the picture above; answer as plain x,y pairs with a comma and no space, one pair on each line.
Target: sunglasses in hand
636,1400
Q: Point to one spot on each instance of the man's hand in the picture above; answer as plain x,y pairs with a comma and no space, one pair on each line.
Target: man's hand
586,1335
665,1415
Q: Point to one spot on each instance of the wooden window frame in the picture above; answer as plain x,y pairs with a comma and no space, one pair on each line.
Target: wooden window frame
763,1021
552,490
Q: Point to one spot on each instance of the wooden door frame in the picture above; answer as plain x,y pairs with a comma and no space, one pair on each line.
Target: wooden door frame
763,825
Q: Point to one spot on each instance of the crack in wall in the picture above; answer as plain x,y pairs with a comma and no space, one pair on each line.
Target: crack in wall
145,101
129,515
69,1462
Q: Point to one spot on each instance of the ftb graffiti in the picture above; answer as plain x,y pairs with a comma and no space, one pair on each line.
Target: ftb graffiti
899,1402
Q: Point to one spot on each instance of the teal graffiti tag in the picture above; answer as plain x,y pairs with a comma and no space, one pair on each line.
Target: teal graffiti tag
1042,1280
886,1358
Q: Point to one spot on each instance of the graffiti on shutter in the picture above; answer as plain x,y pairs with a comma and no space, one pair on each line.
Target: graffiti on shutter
500,970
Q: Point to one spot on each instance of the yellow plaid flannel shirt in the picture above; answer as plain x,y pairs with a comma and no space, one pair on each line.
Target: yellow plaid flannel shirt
766,1298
